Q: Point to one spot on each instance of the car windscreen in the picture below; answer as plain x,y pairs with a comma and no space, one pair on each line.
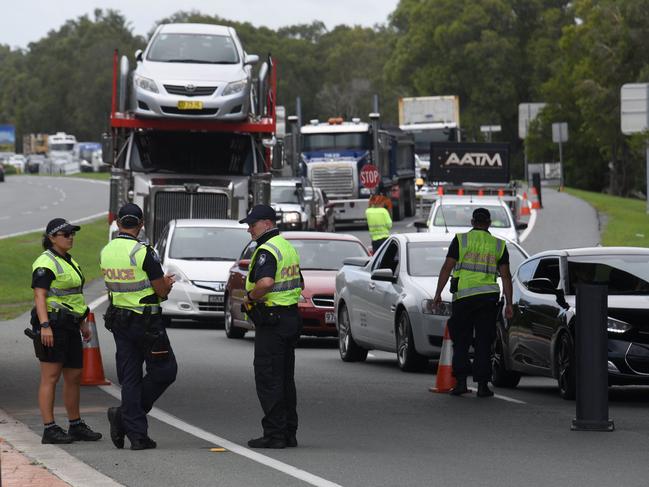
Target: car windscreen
623,274
193,48
204,153
208,243
61,147
321,254
283,194
331,142
460,215
425,259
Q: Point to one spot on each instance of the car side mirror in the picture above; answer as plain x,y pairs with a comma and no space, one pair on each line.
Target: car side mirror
542,285
383,275
138,55
421,225
244,264
521,226
251,59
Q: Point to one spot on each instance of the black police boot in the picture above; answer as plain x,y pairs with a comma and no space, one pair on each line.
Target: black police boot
82,432
291,440
268,442
116,428
483,390
55,435
145,443
460,387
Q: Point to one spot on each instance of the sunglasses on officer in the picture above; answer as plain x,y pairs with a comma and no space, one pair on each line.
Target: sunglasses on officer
65,234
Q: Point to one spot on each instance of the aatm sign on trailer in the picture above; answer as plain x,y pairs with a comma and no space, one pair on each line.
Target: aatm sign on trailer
466,162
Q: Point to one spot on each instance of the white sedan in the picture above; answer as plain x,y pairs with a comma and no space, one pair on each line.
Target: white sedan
385,302
200,253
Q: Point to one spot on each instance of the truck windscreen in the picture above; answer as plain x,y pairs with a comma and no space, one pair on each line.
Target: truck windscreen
204,153
329,142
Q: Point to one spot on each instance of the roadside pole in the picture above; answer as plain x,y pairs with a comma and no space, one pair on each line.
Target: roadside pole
559,136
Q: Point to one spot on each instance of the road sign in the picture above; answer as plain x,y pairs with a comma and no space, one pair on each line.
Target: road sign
370,176
634,108
559,132
490,128
526,113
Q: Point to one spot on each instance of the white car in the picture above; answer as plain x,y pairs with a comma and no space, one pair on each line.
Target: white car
293,203
385,302
199,253
452,214
193,70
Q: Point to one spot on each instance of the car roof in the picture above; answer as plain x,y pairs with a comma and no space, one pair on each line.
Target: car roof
195,29
471,200
593,251
320,236
205,222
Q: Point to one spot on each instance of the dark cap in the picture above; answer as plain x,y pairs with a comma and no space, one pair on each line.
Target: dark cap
481,215
260,212
60,225
130,215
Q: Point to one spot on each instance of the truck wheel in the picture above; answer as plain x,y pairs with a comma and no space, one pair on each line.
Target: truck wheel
411,207
398,209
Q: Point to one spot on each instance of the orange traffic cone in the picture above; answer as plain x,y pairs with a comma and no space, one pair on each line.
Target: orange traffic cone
93,368
440,190
525,206
501,193
481,192
444,380
536,204
460,192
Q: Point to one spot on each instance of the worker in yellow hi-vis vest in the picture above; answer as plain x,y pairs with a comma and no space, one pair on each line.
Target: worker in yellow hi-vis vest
379,222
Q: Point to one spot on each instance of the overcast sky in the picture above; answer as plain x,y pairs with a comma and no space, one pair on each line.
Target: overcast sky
24,21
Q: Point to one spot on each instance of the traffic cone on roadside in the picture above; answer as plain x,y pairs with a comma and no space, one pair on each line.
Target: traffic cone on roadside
460,192
525,206
501,193
444,381
93,368
536,204
440,190
481,192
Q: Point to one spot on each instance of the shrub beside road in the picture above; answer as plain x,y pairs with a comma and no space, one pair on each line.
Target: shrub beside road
18,253
626,222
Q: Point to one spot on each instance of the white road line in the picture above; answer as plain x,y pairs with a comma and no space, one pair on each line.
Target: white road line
530,227
178,423
80,220
504,398
59,462
98,302
4,217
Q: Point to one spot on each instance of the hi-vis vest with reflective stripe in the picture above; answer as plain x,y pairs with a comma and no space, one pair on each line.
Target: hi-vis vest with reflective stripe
66,291
477,267
121,265
286,291
379,223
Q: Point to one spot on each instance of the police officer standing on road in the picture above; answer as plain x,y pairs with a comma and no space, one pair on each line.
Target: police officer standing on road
379,221
136,285
476,258
273,288
58,319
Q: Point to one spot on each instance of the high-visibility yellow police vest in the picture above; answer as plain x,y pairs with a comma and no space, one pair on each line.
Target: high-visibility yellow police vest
379,223
121,264
287,290
66,291
477,267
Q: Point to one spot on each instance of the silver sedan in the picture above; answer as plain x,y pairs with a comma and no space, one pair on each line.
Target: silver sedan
385,302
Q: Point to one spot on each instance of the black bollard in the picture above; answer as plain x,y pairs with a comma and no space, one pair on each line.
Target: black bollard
591,360
536,182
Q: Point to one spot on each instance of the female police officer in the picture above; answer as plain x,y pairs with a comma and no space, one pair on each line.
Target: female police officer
59,314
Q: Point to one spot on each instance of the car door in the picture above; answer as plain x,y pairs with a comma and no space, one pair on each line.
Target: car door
383,296
517,328
543,315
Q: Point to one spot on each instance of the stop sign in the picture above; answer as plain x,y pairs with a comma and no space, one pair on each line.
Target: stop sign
369,176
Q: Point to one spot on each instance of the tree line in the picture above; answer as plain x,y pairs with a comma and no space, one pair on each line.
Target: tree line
493,54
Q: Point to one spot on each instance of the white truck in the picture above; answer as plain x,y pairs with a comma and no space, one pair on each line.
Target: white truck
430,119
62,158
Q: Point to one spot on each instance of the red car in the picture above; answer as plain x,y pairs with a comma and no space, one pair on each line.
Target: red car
321,256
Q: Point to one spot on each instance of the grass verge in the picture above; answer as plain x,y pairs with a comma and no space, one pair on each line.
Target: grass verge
18,253
102,176
627,222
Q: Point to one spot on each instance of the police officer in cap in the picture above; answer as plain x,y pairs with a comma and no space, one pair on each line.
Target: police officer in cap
136,285
476,258
273,288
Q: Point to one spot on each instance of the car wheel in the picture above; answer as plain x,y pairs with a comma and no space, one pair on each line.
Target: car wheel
350,351
565,367
500,375
409,359
231,331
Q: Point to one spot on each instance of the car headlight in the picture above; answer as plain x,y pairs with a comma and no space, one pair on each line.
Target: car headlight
444,309
179,276
291,217
366,191
145,83
617,326
235,87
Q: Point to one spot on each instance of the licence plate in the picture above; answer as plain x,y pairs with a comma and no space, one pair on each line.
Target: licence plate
214,299
330,317
190,105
